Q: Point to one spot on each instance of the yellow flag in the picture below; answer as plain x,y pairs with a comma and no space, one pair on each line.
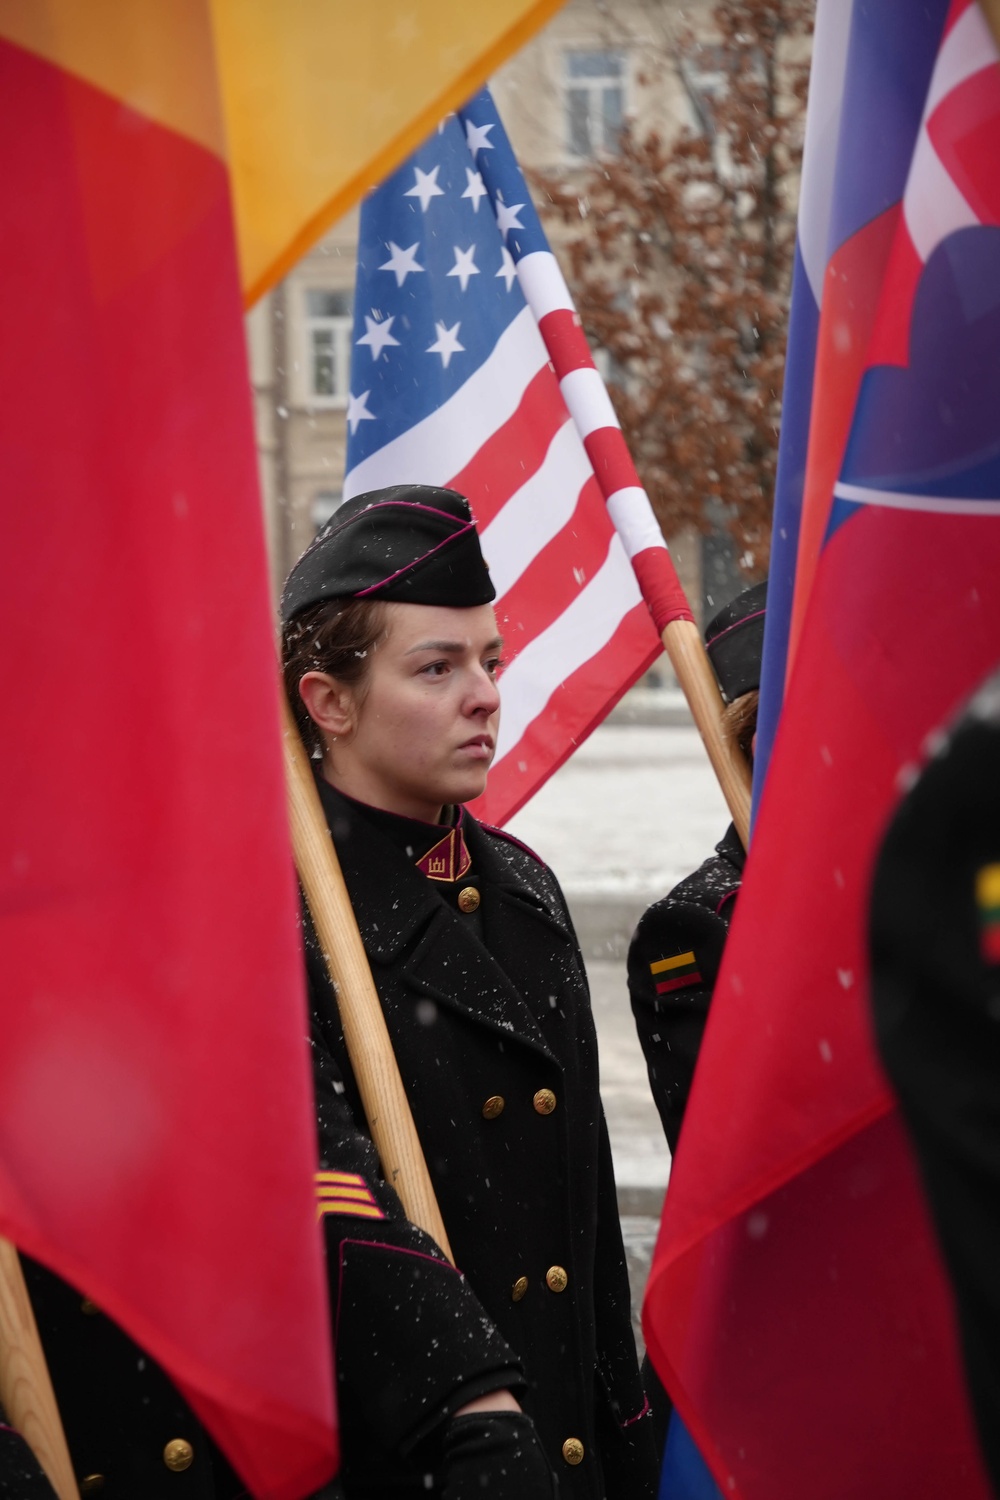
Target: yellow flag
323,98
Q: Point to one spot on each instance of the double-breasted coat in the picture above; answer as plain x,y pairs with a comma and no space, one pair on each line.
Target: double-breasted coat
484,992
673,963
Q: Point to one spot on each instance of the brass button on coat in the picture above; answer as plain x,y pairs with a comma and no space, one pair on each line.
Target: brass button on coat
493,1107
91,1484
90,1309
178,1455
556,1279
572,1451
544,1102
468,899
519,1288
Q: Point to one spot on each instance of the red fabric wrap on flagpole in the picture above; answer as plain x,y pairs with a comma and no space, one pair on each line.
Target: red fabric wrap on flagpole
661,588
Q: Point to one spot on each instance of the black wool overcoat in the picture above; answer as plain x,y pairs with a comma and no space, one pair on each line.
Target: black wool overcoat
490,1019
934,933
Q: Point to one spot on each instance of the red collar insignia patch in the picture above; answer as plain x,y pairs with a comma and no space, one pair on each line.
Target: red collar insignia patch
449,859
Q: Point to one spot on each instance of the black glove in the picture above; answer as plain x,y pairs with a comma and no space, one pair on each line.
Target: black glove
21,1475
495,1455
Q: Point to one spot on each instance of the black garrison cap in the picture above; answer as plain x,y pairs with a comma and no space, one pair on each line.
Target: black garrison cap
735,642
412,543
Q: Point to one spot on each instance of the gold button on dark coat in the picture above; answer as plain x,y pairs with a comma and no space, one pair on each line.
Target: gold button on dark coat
493,1107
544,1102
468,899
572,1451
178,1455
91,1484
556,1279
519,1288
89,1308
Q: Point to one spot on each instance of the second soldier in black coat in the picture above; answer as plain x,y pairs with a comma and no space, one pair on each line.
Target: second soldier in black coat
676,951
935,992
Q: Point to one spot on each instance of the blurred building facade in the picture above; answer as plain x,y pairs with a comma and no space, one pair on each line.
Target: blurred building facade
563,99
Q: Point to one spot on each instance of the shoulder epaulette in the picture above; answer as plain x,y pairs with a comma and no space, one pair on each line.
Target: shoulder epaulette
508,838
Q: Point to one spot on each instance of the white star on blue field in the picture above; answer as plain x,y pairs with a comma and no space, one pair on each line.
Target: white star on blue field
436,286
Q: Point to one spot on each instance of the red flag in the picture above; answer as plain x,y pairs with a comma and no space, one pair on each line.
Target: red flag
798,1309
157,1139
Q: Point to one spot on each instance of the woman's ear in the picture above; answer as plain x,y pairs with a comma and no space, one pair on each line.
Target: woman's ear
329,703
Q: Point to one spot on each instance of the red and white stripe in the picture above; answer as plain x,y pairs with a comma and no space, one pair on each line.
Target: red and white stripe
587,400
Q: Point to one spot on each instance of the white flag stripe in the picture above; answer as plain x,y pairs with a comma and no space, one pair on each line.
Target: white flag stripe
576,635
634,520
539,510
436,449
933,206
968,47
543,284
819,158
584,394
899,500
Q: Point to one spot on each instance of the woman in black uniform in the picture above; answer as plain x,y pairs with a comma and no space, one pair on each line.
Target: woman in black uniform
391,655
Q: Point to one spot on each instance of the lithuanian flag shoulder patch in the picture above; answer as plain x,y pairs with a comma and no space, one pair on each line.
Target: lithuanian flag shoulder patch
988,903
675,973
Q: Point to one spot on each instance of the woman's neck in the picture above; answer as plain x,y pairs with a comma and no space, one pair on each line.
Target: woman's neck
359,789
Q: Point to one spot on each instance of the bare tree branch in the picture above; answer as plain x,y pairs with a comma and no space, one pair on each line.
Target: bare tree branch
679,254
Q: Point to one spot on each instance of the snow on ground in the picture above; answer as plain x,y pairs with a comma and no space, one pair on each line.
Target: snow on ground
633,811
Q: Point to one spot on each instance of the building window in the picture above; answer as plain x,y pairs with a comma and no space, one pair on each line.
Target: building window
594,102
328,347
324,503
706,80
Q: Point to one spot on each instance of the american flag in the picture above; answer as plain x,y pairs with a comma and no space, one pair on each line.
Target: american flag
454,382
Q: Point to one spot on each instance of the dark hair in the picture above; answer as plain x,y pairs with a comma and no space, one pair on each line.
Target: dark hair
335,636
739,721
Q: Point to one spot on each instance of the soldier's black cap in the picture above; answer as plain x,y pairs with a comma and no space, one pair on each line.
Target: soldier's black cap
411,543
735,642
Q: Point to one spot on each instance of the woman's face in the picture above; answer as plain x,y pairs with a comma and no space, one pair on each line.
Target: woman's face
425,726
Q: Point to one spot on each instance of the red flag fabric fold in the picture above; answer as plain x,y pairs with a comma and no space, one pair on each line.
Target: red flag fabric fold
156,1135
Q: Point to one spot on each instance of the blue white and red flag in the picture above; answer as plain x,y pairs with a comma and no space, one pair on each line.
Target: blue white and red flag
470,369
797,1308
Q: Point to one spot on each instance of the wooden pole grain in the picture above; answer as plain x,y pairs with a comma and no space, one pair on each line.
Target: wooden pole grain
386,1106
694,673
991,10
25,1388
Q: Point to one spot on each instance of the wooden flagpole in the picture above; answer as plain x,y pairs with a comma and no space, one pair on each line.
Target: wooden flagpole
689,659
25,1388
365,1032
991,10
